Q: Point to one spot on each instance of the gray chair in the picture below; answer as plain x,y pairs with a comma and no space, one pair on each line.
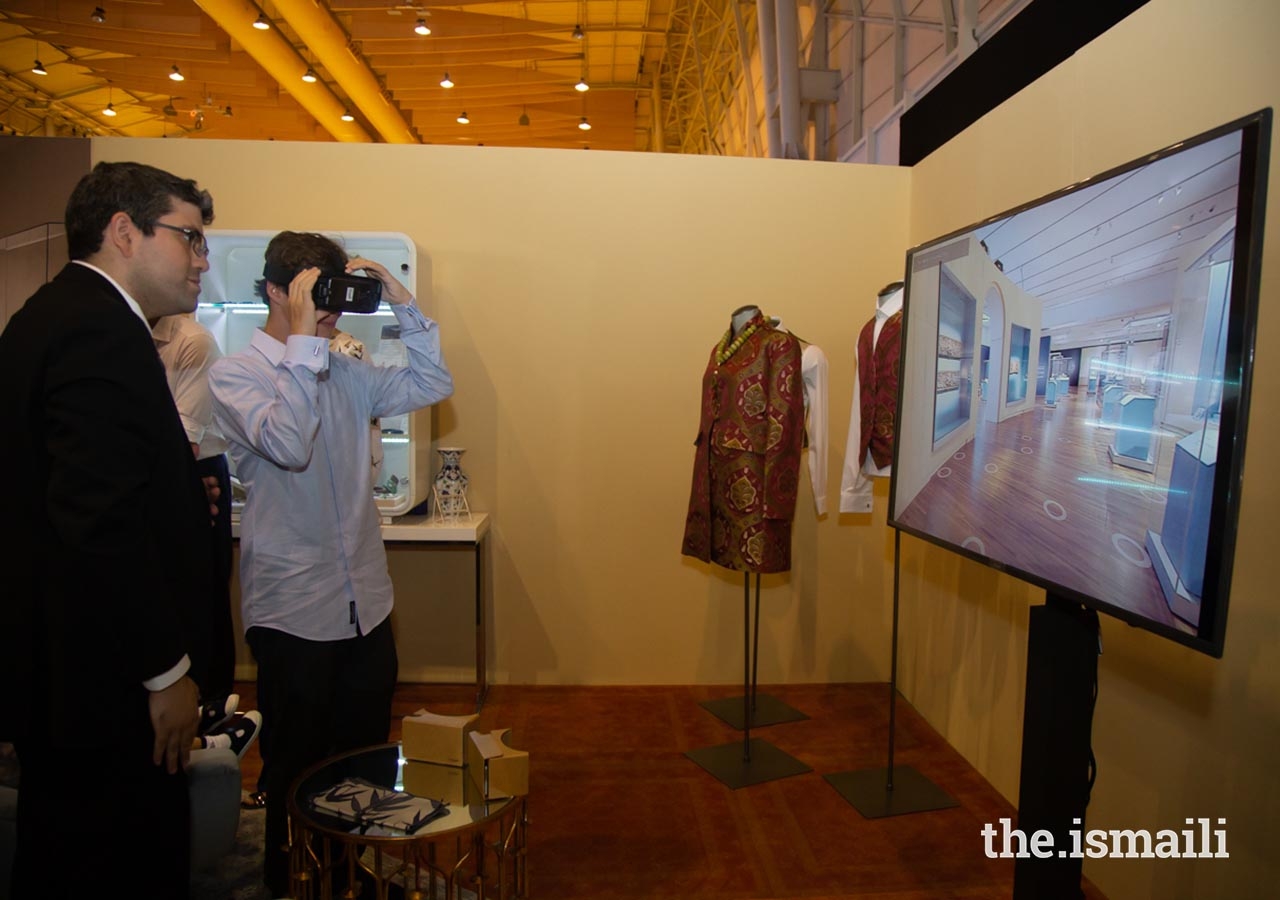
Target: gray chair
214,783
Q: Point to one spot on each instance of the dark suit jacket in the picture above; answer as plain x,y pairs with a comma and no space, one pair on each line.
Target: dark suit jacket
104,543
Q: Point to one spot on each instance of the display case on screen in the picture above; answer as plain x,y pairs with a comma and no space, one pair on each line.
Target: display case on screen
232,310
953,398
1019,362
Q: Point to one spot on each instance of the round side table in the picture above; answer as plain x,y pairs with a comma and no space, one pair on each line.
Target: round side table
478,844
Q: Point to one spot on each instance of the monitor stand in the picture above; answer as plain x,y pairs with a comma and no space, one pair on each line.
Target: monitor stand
1063,644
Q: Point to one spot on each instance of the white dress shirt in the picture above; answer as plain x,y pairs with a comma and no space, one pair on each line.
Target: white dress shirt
813,368
813,372
312,562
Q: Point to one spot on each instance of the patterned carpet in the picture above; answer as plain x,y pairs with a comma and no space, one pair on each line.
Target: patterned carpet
237,876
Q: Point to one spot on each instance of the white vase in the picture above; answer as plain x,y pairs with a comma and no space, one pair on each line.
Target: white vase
451,483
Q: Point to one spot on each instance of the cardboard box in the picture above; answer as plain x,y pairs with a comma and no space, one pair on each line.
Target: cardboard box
435,781
497,769
428,737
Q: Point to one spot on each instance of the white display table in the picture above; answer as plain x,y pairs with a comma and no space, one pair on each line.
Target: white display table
468,532
425,528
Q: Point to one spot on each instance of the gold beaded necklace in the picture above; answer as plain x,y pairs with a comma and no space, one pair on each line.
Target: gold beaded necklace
725,349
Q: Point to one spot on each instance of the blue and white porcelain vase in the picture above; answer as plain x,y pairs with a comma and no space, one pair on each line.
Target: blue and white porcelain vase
451,483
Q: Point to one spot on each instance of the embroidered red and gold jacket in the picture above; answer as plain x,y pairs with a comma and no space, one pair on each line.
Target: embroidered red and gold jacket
748,449
878,385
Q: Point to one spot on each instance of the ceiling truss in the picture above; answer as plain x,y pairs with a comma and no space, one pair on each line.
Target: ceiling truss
682,76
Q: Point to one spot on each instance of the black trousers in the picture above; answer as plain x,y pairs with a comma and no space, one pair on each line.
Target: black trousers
317,698
100,815
220,677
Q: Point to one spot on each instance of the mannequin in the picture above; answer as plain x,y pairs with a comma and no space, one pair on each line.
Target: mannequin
747,459
869,447
745,474
741,316
895,789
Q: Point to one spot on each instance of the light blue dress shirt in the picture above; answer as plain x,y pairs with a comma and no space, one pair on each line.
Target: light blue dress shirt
312,563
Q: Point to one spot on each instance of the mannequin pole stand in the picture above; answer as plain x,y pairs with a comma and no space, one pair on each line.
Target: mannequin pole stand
753,761
755,708
891,791
749,694
755,643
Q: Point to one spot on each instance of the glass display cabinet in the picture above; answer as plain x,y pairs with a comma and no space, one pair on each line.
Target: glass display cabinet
232,310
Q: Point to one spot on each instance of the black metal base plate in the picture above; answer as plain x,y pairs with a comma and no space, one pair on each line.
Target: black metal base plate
868,791
769,711
767,763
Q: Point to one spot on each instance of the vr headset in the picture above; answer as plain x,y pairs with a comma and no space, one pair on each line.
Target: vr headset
340,293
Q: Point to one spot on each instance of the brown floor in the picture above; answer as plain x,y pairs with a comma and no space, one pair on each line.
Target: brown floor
1038,492
618,811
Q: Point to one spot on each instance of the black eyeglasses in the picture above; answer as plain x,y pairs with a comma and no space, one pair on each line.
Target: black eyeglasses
199,246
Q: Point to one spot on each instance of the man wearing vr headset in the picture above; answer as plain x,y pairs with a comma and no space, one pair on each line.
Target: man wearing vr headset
316,596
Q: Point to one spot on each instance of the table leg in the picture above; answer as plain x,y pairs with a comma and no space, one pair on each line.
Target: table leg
482,686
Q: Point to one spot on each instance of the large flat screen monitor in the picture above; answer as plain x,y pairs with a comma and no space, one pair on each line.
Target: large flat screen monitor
1074,384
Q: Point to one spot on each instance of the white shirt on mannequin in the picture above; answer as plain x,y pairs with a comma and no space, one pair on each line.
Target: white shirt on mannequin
813,369
855,481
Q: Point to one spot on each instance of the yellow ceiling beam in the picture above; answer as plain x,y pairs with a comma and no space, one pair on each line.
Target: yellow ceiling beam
324,37
271,51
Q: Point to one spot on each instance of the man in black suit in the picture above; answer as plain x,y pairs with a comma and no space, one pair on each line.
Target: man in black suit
104,548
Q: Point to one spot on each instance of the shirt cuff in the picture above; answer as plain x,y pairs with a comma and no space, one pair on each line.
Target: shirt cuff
160,682
858,498
414,314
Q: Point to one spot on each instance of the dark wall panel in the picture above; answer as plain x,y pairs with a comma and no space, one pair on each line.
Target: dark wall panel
37,175
1031,43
